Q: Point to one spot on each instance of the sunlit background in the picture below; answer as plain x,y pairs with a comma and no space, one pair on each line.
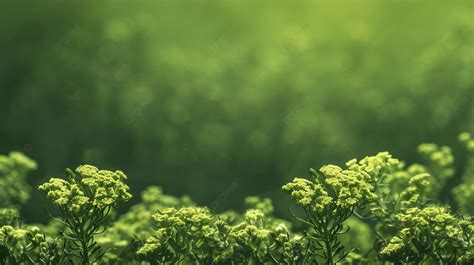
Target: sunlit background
224,99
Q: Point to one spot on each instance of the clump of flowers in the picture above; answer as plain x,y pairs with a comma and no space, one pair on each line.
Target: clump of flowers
347,188
259,240
430,233
178,232
87,188
439,161
415,190
123,236
14,169
375,168
28,245
331,198
85,199
195,235
257,237
16,242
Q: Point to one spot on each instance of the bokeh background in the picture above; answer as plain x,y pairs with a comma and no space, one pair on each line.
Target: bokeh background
224,99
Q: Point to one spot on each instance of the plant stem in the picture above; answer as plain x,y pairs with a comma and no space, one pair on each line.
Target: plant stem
328,245
83,238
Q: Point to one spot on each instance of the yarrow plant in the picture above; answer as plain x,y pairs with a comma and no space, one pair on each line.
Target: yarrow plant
84,200
374,210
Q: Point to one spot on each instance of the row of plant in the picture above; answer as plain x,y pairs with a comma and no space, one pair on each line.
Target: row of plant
377,209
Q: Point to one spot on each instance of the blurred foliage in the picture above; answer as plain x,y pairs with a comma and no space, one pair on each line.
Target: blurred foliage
464,193
220,100
14,169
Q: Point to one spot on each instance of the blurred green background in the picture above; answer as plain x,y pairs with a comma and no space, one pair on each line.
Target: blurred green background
224,99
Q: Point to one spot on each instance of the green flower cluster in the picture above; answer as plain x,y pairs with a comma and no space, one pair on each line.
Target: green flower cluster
86,188
337,189
348,188
394,200
333,196
400,187
415,190
195,235
123,234
14,169
309,194
374,168
430,233
16,242
258,237
177,231
413,230
28,245
85,199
